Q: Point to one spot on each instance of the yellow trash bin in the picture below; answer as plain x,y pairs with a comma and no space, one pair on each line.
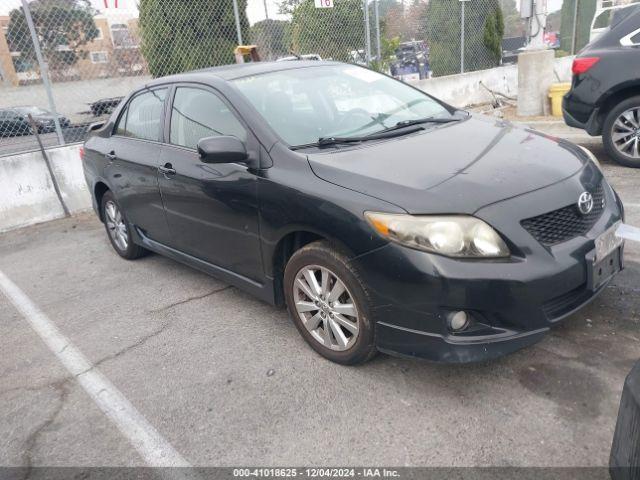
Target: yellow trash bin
556,92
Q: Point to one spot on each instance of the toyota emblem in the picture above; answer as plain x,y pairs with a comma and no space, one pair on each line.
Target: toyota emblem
585,203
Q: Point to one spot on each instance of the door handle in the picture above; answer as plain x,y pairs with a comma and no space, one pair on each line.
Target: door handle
111,156
167,169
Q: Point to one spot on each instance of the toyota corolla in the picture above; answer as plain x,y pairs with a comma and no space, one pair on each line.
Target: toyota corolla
383,218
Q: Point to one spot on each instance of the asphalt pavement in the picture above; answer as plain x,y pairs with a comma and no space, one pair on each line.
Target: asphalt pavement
226,380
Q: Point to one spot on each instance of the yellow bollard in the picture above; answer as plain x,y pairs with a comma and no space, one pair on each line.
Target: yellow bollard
556,92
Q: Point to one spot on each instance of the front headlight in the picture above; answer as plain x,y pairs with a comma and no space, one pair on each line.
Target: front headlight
450,235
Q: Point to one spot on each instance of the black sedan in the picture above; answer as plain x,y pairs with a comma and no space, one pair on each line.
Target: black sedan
44,119
383,218
13,124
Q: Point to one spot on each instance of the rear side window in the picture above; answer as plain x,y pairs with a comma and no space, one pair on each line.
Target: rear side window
198,113
143,116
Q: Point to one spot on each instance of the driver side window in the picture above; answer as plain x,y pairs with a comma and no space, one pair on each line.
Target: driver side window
197,114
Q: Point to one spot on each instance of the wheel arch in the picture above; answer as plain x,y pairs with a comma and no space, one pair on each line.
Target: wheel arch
289,243
613,98
99,189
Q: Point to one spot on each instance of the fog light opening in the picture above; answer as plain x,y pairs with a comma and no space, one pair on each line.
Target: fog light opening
458,321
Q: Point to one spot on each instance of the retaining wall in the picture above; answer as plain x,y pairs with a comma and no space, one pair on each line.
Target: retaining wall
467,89
27,195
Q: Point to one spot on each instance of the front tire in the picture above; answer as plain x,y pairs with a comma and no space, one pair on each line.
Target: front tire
118,229
329,304
621,133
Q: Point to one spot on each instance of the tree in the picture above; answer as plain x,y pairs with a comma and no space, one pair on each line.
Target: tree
586,11
388,47
406,22
286,7
484,30
272,38
183,35
331,32
514,25
63,27
493,34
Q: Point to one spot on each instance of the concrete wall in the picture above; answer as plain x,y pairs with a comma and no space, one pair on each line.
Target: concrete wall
26,190
466,89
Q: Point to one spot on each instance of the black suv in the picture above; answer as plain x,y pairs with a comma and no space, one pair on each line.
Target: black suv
605,94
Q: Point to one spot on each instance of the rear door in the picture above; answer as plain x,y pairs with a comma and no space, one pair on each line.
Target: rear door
133,154
211,208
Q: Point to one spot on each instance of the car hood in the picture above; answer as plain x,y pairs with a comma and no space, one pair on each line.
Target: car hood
455,168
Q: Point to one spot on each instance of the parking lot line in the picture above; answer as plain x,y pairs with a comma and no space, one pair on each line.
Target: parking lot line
152,447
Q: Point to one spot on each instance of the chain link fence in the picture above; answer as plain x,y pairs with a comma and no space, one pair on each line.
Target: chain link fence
79,58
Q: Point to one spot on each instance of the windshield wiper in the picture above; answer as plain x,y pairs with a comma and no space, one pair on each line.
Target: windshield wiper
400,128
386,133
419,121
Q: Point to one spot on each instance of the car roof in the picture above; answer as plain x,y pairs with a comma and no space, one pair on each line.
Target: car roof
231,72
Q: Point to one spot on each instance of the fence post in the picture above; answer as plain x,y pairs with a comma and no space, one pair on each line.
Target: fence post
236,14
575,27
378,51
44,70
367,33
462,36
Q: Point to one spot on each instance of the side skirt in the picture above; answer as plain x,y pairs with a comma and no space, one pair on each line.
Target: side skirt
263,291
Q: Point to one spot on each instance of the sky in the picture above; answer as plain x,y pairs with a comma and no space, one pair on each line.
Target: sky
255,8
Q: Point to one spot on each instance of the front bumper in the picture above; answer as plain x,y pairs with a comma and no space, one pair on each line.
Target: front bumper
513,302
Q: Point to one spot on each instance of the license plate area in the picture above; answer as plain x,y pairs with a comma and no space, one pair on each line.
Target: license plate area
607,242
605,260
600,272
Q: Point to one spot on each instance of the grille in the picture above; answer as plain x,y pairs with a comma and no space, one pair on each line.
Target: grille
565,223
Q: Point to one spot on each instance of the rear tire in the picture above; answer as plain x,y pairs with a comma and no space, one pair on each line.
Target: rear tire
335,322
118,229
622,125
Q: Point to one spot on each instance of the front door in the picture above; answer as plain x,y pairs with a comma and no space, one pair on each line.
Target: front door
211,209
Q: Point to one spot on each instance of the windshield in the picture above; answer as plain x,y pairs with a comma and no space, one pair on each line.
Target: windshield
305,104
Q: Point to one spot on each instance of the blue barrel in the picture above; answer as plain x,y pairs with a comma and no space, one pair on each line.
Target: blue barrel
625,452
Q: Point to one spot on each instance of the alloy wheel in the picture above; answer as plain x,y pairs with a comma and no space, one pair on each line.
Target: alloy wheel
625,133
116,225
326,307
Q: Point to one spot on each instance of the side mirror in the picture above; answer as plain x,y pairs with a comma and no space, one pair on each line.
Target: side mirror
224,149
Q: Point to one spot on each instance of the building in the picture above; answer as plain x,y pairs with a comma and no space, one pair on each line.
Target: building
8,74
114,52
